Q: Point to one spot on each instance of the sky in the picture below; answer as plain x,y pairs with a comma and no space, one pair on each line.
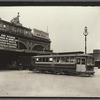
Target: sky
65,24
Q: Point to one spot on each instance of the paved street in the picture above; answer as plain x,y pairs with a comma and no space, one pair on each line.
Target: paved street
14,83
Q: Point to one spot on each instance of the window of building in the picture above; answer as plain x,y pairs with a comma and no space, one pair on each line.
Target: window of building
22,31
12,28
18,30
4,26
7,27
0,24
15,29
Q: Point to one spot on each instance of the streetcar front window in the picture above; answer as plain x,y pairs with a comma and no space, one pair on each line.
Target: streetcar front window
78,61
83,61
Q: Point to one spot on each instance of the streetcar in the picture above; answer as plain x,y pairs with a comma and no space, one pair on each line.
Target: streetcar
72,64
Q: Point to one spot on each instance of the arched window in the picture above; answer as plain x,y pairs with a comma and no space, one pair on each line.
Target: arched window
38,48
20,45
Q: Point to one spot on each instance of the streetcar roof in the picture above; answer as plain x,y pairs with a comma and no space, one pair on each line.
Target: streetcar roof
66,55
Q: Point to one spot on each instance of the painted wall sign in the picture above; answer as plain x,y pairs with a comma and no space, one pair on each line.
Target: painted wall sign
41,34
8,41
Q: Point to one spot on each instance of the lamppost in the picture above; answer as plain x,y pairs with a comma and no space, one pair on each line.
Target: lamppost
85,34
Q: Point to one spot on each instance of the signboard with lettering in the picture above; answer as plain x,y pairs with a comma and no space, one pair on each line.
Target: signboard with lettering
8,41
41,34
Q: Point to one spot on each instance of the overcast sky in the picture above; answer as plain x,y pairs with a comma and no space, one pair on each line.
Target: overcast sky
65,24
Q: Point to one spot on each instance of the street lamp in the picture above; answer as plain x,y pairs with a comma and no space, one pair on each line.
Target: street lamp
85,34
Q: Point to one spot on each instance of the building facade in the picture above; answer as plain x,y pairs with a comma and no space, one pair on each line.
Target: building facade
15,37
96,54
17,41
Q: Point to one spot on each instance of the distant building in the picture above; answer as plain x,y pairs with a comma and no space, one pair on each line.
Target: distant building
96,54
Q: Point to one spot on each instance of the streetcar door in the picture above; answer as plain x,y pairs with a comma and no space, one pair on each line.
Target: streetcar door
81,64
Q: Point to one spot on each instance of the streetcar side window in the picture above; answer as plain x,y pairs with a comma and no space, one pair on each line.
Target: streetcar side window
37,59
67,59
47,59
58,59
63,59
40,59
72,59
50,59
43,59
54,59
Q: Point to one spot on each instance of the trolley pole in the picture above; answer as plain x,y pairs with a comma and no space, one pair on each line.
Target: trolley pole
85,45
85,34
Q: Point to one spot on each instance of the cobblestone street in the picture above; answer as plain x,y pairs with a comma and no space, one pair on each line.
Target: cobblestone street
15,83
